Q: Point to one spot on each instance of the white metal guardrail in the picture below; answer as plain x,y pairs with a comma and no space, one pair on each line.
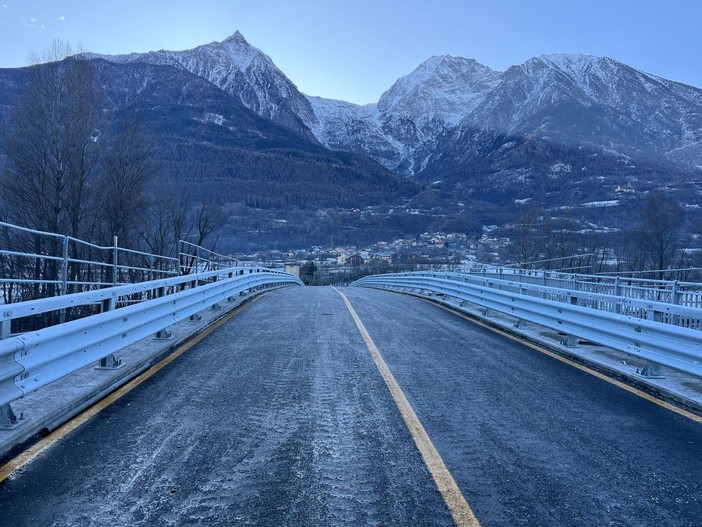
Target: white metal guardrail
37,264
659,332
670,291
32,360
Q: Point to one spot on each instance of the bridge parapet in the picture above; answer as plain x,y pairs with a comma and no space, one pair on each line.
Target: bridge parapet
660,332
32,360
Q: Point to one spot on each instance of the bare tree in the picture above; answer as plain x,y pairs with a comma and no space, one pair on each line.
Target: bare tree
128,169
52,147
167,217
659,232
524,245
51,150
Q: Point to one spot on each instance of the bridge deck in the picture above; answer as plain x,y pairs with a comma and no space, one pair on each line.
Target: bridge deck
280,417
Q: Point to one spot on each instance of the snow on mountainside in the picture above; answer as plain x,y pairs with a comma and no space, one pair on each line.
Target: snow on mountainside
341,125
444,88
645,104
427,115
567,98
240,70
419,106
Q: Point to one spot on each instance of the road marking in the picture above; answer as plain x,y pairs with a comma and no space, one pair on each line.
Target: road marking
453,497
54,437
581,367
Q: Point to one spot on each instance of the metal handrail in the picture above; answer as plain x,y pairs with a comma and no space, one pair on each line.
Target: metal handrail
689,293
71,264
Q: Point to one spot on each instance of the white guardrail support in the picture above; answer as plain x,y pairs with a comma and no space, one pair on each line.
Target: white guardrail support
642,328
32,360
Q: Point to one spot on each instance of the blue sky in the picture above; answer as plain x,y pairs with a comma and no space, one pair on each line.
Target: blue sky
355,49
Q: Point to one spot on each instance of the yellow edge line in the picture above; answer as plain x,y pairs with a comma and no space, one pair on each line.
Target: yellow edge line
453,497
594,373
54,437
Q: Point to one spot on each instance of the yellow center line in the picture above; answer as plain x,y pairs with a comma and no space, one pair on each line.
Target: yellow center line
581,367
453,497
54,437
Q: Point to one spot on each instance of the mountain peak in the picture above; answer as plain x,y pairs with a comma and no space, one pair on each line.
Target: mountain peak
442,86
237,37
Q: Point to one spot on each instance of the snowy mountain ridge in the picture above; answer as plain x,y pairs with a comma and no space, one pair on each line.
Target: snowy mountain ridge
242,70
572,99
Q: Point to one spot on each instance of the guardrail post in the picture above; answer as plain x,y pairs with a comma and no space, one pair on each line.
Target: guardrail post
162,334
651,370
8,419
216,305
570,341
108,304
110,363
115,257
5,327
230,275
675,299
652,314
64,276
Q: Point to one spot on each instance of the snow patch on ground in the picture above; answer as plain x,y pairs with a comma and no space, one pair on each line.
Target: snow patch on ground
599,204
213,118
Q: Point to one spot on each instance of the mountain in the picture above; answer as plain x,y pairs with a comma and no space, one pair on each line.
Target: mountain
561,129
205,137
453,143
582,101
622,108
241,70
572,100
209,145
409,116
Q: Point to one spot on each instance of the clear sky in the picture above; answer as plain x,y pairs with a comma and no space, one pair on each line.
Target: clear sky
355,49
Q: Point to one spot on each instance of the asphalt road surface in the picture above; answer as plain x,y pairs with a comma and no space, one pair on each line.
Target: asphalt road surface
280,417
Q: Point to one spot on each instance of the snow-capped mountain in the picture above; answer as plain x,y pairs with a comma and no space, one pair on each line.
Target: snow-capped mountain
411,114
571,99
626,101
241,70
342,125
595,102
557,131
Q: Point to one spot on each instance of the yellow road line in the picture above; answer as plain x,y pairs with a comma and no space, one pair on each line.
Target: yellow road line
458,506
54,437
581,367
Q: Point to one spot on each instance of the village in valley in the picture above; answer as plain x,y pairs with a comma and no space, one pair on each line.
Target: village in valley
340,265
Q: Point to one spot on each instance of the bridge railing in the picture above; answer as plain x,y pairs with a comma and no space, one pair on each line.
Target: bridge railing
669,291
649,326
32,360
37,264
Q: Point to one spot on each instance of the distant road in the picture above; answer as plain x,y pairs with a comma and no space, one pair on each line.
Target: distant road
280,417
